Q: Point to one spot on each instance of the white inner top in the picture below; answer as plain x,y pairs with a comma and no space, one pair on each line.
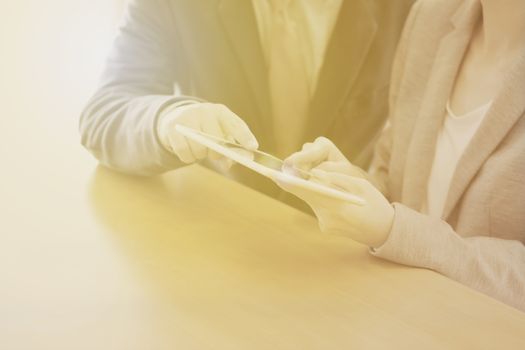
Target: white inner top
454,137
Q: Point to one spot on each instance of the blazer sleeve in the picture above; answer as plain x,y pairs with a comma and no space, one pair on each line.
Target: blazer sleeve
490,265
118,125
378,171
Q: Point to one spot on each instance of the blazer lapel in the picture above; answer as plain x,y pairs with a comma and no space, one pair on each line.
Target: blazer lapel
348,47
240,23
506,110
448,58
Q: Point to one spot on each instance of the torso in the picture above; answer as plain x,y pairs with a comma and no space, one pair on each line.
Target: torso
480,75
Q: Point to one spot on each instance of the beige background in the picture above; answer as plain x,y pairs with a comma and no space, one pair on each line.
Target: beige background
51,53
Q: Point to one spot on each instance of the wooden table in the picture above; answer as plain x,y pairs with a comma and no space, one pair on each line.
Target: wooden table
192,260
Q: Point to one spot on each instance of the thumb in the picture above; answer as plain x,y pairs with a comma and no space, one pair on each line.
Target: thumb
234,126
224,164
344,182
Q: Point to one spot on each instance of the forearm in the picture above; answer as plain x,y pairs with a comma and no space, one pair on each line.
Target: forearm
493,266
119,128
118,125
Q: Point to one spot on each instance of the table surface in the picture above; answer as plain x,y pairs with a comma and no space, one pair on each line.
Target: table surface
192,260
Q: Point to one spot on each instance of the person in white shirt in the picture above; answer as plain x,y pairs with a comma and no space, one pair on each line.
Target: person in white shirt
446,189
269,74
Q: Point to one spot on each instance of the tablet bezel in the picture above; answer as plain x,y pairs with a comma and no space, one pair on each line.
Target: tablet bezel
271,173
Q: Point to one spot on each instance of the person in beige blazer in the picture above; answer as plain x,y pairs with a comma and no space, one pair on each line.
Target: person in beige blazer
454,55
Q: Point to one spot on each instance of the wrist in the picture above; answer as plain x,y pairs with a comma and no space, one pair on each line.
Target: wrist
384,228
167,120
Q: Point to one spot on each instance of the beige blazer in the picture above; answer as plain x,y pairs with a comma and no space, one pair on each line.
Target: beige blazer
479,239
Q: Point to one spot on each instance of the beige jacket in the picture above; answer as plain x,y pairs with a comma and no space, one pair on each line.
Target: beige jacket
480,239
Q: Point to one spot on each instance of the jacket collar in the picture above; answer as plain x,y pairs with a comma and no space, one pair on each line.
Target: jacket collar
508,107
448,58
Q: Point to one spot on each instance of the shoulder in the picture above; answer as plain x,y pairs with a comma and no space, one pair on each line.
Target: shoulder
433,14
428,22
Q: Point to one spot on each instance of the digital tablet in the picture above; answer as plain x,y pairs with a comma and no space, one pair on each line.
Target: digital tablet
264,164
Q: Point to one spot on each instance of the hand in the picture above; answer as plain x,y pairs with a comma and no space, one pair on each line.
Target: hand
214,119
322,154
369,224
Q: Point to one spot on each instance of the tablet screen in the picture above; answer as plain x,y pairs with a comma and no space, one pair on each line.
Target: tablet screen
265,164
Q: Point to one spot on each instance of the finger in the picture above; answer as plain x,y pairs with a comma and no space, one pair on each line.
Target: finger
199,151
287,183
289,168
350,184
213,127
307,145
313,199
334,167
334,153
234,126
342,167
225,163
320,179
291,188
214,155
180,147
311,156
